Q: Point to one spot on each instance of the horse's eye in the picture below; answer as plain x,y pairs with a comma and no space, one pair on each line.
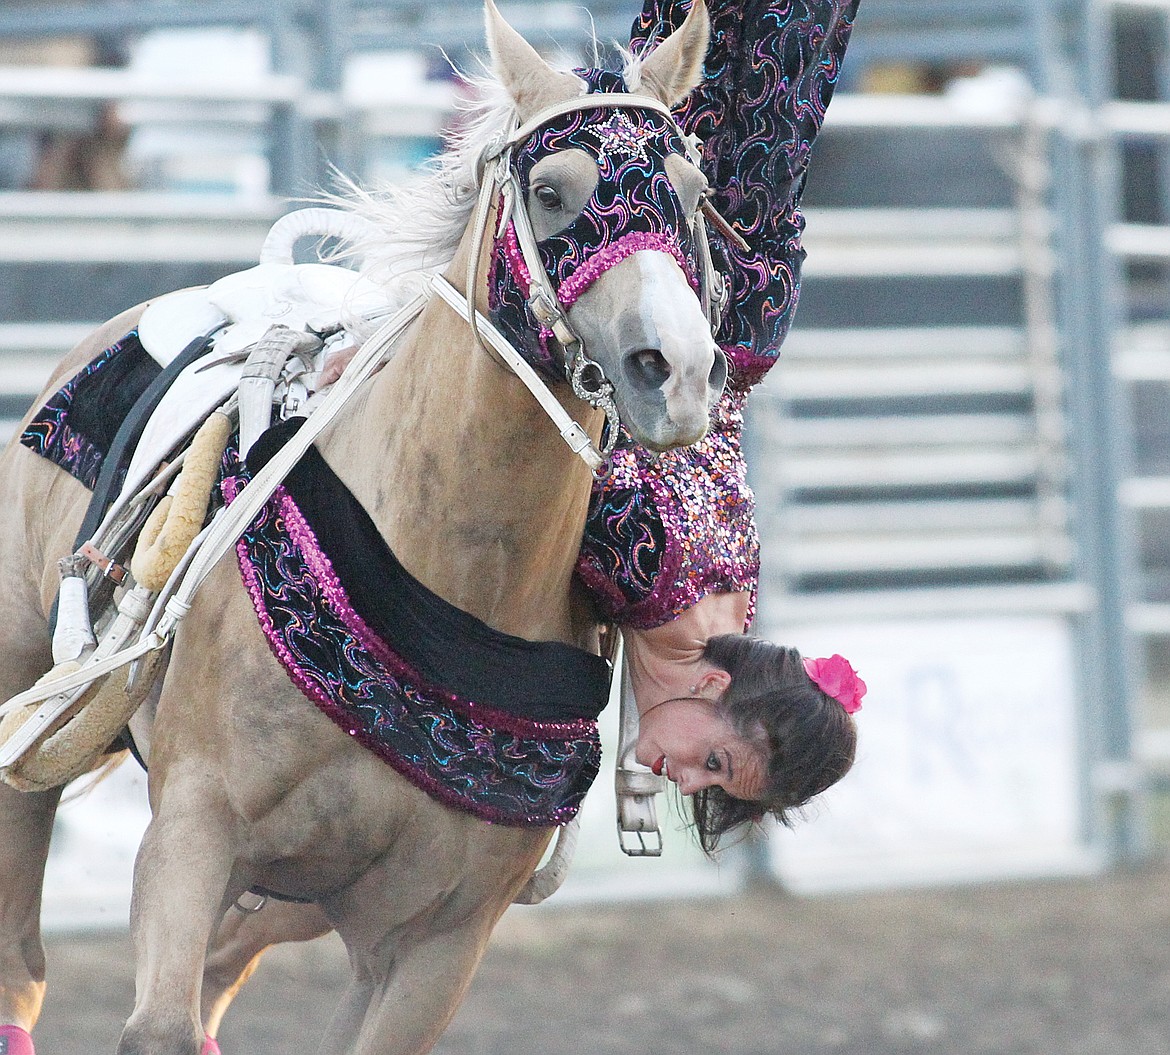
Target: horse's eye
547,197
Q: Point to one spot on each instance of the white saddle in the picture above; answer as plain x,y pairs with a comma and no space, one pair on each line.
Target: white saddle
306,298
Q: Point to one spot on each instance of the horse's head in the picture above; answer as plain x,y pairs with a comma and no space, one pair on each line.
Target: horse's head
600,252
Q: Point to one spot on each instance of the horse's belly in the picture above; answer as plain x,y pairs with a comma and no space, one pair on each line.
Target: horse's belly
391,853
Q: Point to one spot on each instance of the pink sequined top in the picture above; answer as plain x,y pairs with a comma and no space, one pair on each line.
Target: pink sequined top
665,531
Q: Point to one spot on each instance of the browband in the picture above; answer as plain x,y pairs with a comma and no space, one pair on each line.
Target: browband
596,101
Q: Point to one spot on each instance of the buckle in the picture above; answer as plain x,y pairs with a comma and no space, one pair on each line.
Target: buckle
545,311
110,568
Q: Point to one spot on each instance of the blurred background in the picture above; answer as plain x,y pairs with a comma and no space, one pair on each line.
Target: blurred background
962,462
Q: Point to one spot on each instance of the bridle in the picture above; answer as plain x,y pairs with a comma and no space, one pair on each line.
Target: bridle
500,183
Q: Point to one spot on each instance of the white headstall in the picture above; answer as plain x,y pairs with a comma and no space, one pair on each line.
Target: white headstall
500,179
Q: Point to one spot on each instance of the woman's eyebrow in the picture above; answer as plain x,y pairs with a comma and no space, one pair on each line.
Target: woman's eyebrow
730,767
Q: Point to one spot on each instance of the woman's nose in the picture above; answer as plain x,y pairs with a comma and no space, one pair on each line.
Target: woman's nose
694,779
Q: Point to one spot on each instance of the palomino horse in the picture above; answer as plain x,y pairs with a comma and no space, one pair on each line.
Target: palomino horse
253,787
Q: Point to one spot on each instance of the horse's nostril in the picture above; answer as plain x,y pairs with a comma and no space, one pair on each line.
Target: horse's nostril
717,378
649,367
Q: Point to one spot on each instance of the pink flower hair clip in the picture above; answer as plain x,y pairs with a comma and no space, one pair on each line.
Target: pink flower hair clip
836,677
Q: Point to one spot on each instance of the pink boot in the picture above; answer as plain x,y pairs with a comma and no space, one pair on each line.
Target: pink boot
15,1041
209,1047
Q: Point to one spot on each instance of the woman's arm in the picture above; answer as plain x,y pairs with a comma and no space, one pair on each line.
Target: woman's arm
770,72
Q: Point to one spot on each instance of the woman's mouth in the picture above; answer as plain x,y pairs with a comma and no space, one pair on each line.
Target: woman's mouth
659,767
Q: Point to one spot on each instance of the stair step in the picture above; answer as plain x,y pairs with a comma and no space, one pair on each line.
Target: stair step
793,435
869,469
915,517
883,342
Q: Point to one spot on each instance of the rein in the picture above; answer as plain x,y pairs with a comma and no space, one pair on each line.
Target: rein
571,432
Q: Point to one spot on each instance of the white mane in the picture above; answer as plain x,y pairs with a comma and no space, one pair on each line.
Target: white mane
422,220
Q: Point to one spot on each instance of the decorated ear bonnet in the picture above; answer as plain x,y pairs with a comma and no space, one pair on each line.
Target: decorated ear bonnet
633,206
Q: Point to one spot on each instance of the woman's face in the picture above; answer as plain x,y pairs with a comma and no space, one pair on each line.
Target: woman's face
691,742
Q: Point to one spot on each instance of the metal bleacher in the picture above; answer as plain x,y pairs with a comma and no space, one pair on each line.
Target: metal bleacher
927,451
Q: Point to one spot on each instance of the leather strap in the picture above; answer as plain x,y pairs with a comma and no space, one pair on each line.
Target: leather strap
571,432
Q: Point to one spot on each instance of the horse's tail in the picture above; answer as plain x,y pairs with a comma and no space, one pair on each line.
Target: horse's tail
546,881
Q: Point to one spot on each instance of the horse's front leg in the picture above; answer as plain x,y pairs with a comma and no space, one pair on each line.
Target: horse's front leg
180,879
26,823
239,943
414,954
402,997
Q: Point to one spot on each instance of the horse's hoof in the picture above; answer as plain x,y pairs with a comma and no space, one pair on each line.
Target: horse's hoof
209,1047
15,1041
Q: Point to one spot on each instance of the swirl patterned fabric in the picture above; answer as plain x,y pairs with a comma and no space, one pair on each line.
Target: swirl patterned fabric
496,766
665,531
79,442
770,71
633,207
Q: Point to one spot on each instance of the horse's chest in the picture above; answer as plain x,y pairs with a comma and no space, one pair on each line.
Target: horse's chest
468,715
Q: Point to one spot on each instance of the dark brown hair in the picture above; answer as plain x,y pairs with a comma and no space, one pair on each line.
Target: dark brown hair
809,737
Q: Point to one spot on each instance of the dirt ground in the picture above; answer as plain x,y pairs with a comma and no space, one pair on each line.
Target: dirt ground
1071,967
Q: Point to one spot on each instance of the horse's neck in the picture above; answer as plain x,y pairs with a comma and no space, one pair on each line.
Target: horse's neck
468,481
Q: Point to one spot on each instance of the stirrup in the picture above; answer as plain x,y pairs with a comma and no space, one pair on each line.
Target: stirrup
635,785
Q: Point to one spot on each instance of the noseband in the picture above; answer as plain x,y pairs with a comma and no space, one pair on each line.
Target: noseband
500,183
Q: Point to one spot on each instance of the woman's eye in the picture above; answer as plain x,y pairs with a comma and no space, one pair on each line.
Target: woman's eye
547,197
713,762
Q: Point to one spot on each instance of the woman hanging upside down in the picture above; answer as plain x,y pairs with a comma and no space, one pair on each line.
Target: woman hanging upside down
671,551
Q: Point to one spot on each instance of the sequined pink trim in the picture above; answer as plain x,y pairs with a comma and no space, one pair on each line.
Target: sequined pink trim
523,277
614,253
324,701
318,562
747,368
316,559
515,260
688,573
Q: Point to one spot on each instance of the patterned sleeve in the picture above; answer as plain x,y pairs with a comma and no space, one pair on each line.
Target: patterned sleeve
770,72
